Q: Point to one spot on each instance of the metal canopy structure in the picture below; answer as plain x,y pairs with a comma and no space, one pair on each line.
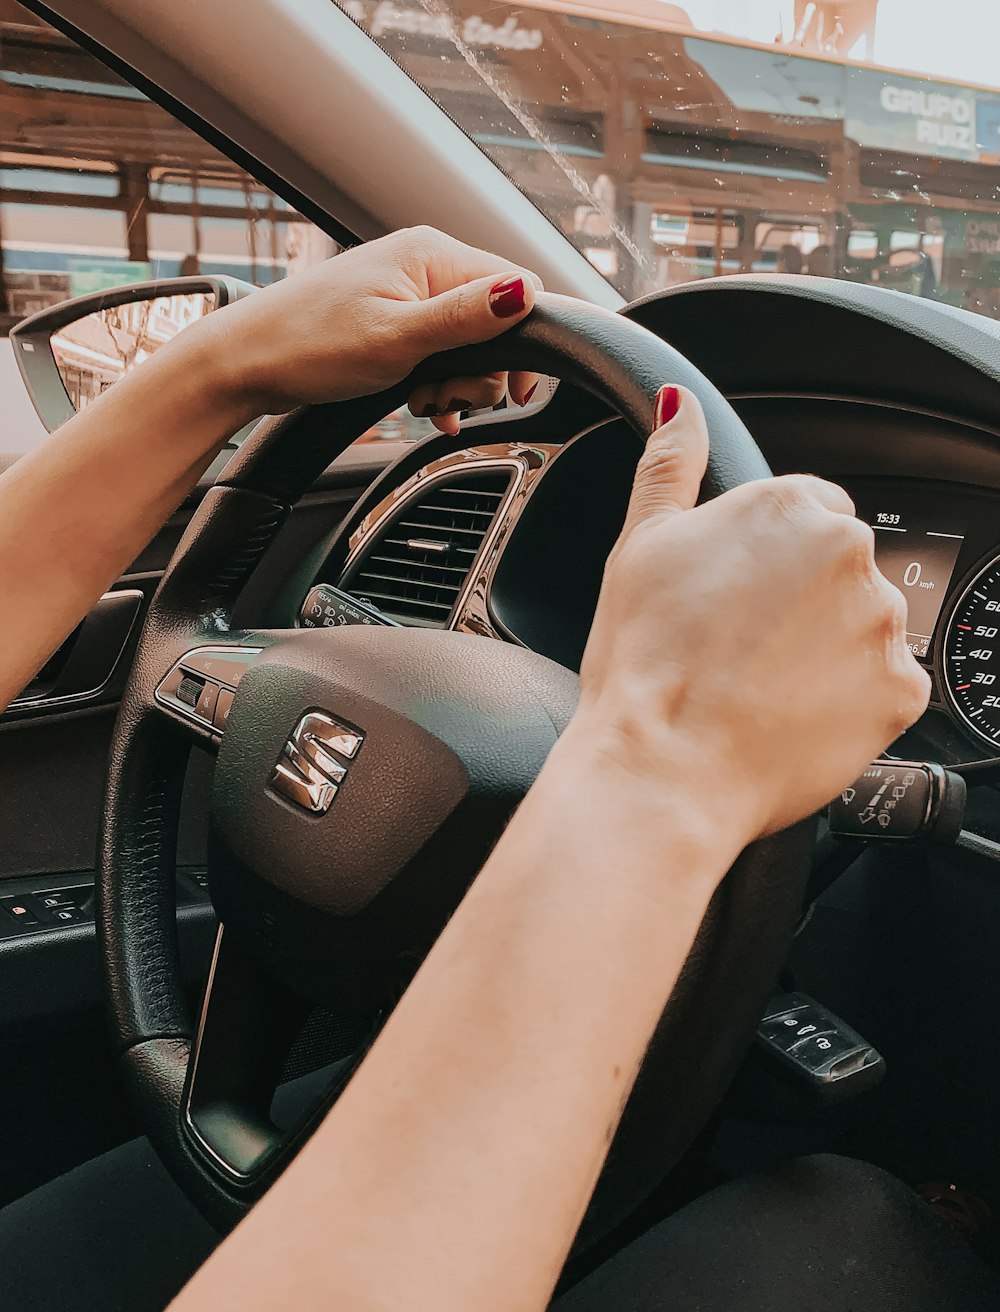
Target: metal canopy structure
99,185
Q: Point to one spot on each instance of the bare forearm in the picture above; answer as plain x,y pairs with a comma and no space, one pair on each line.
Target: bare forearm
77,510
454,1171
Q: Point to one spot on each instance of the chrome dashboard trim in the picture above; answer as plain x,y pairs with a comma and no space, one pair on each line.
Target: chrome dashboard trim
190,1125
527,461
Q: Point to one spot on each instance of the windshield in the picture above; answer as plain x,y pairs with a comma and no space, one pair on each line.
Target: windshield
853,139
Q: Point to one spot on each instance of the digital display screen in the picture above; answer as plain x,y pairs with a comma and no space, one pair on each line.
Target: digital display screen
917,550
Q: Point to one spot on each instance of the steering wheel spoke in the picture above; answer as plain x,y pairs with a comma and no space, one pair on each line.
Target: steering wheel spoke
248,1025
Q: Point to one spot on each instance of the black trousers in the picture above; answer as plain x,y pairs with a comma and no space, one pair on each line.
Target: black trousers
821,1235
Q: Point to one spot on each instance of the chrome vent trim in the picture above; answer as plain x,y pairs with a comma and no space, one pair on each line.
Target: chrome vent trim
525,463
415,565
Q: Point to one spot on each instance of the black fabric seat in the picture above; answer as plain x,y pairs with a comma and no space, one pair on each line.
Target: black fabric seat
823,1234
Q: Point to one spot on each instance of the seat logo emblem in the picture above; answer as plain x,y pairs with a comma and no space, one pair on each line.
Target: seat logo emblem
313,762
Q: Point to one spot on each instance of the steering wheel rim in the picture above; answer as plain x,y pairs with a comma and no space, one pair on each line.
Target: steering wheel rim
738,950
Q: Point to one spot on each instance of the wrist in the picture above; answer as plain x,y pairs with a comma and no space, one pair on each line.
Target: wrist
219,356
651,793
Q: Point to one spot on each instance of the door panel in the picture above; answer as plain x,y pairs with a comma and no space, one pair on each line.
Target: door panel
53,755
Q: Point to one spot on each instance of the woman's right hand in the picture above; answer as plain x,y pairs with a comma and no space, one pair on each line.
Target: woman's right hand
750,640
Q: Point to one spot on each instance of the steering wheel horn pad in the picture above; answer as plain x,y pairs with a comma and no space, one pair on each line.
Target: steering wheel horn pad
333,907
455,730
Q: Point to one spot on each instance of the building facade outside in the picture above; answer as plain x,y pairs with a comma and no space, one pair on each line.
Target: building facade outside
668,142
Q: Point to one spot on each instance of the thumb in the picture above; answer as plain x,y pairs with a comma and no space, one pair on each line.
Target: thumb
670,470
472,312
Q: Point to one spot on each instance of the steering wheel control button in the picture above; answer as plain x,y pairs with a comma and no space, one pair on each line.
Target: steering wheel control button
222,708
227,666
901,800
189,691
817,1049
327,607
205,705
308,772
203,681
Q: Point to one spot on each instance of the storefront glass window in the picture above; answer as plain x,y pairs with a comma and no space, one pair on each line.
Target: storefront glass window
675,141
99,186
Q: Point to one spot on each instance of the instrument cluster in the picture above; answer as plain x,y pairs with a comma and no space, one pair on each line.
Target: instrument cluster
940,545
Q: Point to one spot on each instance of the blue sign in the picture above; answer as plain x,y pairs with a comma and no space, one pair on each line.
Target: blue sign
912,115
988,130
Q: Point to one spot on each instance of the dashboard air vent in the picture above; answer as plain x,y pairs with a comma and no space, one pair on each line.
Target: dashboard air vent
420,560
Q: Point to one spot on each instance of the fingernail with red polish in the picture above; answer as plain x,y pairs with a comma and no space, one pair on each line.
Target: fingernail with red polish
507,297
668,402
529,393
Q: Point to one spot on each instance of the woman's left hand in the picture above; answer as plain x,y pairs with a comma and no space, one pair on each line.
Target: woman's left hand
363,320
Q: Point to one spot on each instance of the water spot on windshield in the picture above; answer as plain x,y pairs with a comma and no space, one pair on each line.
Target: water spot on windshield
443,17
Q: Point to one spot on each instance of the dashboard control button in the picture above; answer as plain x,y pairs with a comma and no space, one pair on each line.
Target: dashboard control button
69,915
901,799
19,911
222,708
327,607
63,898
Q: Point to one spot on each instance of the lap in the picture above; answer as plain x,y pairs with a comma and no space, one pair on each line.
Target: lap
113,1235
825,1234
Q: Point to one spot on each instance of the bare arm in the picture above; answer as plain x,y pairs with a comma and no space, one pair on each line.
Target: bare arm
454,1170
77,510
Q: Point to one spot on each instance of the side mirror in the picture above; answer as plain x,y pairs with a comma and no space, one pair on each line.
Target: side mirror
70,353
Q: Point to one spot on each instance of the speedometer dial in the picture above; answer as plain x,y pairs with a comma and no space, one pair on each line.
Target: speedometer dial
972,654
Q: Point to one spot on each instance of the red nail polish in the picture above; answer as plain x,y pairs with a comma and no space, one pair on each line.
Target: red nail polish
507,297
668,402
530,393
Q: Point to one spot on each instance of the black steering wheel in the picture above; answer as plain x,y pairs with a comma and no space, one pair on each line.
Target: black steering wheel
415,746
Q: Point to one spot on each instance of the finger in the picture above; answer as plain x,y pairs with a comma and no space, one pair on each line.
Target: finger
911,682
424,404
472,312
672,466
830,495
522,386
459,394
449,423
